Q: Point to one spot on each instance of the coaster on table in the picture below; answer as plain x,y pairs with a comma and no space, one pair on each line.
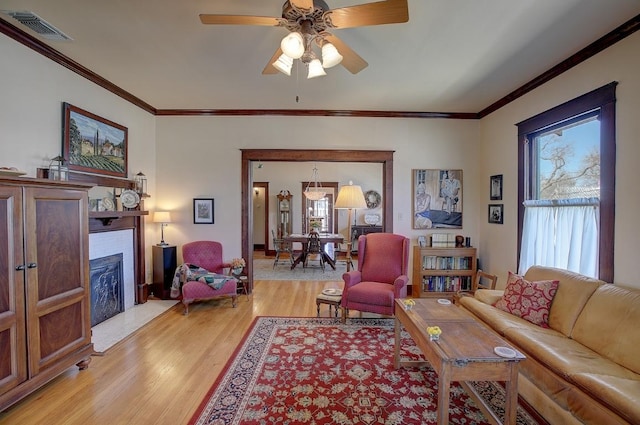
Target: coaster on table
505,352
332,291
444,301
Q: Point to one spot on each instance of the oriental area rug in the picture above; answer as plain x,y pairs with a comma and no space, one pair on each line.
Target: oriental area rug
320,371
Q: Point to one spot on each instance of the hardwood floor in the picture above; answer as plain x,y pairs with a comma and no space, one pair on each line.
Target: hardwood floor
160,374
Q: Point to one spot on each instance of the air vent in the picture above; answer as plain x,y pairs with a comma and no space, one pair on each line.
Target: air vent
38,25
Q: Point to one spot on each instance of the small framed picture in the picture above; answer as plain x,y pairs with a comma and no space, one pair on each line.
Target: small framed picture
203,210
496,212
422,241
495,187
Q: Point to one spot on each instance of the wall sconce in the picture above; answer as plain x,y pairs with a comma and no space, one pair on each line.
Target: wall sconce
58,170
162,217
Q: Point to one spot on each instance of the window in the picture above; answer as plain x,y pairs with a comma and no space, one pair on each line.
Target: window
566,186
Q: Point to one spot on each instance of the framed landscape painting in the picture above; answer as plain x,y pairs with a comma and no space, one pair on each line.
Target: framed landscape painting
93,144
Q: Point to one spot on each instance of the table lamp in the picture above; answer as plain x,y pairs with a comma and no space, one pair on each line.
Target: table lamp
349,198
162,217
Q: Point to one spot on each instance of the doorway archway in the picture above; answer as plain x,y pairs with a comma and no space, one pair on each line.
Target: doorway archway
385,158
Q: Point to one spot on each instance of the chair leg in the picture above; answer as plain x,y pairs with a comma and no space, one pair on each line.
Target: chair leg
345,312
186,307
234,300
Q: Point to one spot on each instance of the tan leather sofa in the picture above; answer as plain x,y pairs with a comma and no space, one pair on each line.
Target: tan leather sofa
584,368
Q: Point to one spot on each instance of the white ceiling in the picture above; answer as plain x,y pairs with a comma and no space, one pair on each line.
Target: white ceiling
452,55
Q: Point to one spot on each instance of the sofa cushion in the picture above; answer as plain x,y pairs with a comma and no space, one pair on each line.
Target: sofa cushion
573,292
621,394
528,300
609,324
497,319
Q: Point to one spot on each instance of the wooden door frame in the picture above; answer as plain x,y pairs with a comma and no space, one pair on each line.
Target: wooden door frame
385,158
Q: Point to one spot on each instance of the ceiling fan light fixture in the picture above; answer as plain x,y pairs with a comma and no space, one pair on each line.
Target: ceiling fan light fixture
284,64
316,69
330,56
293,45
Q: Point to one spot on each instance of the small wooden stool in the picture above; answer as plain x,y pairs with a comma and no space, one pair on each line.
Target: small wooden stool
332,300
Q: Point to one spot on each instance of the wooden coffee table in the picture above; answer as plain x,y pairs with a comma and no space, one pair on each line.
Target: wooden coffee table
464,352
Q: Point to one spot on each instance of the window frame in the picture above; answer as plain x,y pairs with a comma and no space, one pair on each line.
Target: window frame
602,99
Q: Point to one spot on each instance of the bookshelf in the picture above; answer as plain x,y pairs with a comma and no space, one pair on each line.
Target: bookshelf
442,272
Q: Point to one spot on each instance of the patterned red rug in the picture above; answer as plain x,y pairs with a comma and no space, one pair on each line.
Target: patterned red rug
320,371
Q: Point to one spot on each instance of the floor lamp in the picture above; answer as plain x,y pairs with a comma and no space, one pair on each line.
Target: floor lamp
350,198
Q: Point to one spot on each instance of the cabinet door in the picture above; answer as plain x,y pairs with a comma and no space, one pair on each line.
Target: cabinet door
13,349
56,249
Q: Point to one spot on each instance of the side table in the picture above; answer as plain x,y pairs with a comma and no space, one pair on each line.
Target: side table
243,283
164,267
332,300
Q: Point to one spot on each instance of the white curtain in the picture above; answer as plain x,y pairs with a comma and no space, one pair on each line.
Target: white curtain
561,233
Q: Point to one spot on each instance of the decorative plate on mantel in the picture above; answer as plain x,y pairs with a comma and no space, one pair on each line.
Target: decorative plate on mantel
129,198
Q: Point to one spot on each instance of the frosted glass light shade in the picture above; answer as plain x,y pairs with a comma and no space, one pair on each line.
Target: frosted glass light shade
315,69
314,195
293,45
330,55
283,64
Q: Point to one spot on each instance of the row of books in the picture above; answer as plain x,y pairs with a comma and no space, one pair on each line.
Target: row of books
442,240
432,262
446,283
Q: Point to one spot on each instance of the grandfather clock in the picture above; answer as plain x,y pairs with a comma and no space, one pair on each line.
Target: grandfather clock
284,213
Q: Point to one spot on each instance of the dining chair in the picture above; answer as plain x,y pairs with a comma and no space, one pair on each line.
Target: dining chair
281,246
314,250
484,281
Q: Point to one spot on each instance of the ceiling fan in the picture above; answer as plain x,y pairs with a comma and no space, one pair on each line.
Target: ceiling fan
308,22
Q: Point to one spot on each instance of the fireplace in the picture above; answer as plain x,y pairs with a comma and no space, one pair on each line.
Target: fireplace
107,287
119,242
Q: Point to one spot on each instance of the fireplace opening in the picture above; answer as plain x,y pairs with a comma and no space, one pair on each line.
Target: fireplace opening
107,287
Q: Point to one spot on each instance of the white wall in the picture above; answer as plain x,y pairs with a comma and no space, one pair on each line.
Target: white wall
32,90
211,168
621,63
188,157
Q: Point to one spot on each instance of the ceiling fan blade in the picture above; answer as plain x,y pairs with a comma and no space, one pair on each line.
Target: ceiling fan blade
302,4
350,59
269,69
378,13
239,20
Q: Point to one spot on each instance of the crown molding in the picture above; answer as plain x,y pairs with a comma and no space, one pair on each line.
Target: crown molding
621,32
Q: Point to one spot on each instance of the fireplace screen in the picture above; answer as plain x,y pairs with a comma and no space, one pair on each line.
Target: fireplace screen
107,288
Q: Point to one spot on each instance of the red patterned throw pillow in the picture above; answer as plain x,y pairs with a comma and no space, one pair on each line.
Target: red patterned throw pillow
528,300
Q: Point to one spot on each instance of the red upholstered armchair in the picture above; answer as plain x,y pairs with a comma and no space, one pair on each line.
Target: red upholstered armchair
208,255
383,259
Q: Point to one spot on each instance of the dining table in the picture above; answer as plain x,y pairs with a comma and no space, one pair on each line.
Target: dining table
303,238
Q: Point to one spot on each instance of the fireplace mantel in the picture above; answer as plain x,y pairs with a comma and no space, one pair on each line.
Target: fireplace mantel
107,217
109,221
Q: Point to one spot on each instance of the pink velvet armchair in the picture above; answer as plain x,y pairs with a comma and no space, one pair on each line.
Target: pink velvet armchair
208,255
381,277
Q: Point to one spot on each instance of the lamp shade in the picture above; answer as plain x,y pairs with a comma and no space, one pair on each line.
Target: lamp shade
330,55
161,217
315,69
293,45
350,197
